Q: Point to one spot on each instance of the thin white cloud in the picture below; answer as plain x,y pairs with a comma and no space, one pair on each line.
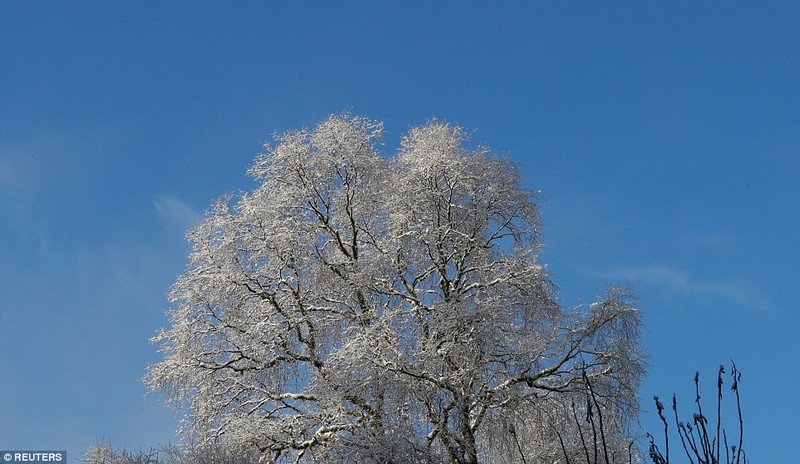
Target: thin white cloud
176,212
680,282
7,173
22,192
17,179
719,240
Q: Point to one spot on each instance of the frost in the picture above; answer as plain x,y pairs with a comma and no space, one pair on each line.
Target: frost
364,308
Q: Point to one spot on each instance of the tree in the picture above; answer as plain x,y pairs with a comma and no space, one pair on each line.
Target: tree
361,308
698,439
104,452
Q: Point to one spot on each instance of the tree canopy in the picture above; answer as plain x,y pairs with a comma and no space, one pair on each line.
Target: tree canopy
358,307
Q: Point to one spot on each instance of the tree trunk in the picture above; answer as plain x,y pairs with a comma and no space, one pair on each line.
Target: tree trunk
470,451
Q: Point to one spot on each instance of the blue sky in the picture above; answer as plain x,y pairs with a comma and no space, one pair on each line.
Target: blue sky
664,138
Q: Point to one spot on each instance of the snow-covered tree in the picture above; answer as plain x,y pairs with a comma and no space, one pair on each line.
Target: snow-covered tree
356,307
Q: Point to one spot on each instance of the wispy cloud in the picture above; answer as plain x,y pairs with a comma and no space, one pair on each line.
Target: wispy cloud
176,212
681,282
23,189
718,240
7,172
17,178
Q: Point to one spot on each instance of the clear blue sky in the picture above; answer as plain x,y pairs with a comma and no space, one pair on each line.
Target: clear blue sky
665,139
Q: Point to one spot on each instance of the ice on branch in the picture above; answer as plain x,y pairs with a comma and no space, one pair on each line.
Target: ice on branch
357,307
